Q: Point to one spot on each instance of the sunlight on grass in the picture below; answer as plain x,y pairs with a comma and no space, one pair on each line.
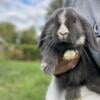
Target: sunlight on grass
22,81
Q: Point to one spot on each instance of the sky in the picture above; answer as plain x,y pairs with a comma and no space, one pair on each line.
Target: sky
24,13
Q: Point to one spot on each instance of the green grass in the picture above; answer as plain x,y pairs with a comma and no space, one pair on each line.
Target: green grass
22,81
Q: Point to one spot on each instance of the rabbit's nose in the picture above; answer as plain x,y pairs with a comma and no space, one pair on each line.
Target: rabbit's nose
63,34
63,30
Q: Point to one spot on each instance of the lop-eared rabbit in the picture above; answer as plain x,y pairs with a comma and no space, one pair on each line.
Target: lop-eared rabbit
67,30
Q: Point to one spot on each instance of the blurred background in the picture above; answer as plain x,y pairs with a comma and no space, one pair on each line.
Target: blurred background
21,22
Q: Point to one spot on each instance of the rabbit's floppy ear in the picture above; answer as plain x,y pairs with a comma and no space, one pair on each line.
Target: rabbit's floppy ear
96,55
45,31
91,40
44,34
41,39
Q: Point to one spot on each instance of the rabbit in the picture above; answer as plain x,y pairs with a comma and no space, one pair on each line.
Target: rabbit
66,30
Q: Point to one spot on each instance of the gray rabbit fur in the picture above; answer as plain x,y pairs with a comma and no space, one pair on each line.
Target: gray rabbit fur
67,30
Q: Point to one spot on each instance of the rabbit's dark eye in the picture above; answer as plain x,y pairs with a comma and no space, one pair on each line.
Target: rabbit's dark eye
74,20
57,23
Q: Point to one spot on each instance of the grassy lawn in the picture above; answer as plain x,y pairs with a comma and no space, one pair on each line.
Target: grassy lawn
22,81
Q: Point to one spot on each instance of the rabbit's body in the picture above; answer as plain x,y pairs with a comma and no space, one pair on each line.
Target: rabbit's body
67,30
54,94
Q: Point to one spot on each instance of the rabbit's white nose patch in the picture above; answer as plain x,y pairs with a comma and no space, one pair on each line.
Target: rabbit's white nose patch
63,31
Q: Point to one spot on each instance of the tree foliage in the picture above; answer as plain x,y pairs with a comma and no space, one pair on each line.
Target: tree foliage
53,6
57,4
28,36
7,31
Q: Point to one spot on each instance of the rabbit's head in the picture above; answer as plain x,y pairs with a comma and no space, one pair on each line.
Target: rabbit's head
66,27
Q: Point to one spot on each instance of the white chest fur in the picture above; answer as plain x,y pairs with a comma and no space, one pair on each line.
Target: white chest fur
54,93
88,95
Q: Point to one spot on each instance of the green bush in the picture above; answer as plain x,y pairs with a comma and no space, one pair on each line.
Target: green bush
30,52
16,54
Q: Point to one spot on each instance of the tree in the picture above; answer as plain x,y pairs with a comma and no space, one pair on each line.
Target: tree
53,6
7,31
57,4
28,36
69,2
